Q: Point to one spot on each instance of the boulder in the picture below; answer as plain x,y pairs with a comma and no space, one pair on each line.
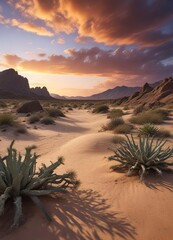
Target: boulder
30,107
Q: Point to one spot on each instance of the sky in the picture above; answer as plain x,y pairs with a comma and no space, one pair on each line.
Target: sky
83,47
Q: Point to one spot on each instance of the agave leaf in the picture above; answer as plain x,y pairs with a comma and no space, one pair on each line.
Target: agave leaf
18,212
38,203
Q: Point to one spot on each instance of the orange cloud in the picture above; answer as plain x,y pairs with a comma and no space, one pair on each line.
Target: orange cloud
110,22
12,60
121,62
61,40
31,27
27,26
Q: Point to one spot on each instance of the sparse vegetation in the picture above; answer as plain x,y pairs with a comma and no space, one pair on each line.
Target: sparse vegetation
152,116
163,134
148,129
126,108
143,157
138,109
3,104
123,128
34,118
101,109
113,123
6,119
53,112
21,129
115,113
47,121
117,139
19,178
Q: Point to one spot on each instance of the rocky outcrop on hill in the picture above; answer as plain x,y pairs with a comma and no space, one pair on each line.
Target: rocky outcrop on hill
41,92
162,93
13,85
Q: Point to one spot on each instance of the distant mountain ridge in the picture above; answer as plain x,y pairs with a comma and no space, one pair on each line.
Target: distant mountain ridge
13,85
117,92
114,93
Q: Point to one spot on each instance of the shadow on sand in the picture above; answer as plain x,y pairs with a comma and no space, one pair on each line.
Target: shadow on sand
158,182
81,215
85,215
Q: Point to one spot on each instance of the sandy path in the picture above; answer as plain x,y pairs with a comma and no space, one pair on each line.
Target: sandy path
108,205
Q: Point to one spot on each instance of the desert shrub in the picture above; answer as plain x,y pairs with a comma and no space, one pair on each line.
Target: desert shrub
21,129
123,128
151,130
151,116
117,139
19,178
74,105
113,123
53,112
138,109
47,121
101,109
34,118
162,112
145,156
115,113
126,108
3,104
6,119
163,134
148,129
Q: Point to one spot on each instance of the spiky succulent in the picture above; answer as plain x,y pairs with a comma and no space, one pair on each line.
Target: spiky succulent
141,157
148,129
19,177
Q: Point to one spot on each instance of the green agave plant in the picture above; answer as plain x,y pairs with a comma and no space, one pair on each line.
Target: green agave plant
18,178
142,157
148,129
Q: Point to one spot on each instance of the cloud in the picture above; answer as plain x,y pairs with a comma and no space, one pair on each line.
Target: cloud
61,40
12,59
27,26
42,55
83,40
144,23
117,66
31,27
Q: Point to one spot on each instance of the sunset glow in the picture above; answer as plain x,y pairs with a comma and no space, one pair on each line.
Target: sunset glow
76,47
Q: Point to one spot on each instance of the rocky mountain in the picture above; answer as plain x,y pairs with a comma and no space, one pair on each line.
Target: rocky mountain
13,85
117,92
41,92
148,95
114,93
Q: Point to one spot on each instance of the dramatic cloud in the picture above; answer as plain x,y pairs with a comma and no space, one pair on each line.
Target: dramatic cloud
119,66
111,22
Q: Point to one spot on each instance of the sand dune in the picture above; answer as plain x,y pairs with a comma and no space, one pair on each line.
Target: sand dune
108,205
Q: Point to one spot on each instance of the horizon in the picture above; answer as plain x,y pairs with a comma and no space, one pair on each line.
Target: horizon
83,48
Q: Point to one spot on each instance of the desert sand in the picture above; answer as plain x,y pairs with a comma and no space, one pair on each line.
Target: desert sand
108,205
